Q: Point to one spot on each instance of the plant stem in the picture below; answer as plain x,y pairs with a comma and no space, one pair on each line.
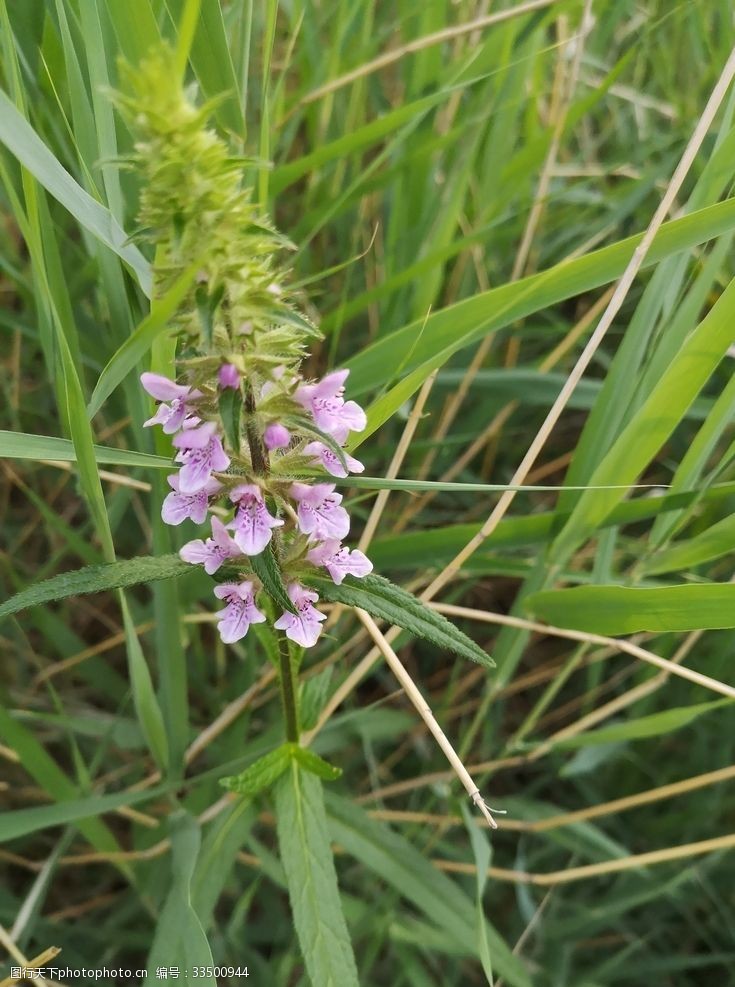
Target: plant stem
288,691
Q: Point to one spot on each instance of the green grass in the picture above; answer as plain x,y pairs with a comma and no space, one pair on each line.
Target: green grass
406,190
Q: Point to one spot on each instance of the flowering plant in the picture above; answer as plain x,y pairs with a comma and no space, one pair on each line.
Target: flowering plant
247,428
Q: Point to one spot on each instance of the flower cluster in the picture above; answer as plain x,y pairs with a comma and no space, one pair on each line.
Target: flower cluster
255,443
308,520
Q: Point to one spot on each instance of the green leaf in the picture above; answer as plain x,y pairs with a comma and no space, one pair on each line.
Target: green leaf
406,869
625,610
459,325
306,855
180,940
22,141
314,764
20,822
655,725
146,704
137,345
653,423
230,411
21,445
381,598
96,579
261,773
268,572
716,541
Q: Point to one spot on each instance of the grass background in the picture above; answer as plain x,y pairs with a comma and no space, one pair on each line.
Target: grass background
461,186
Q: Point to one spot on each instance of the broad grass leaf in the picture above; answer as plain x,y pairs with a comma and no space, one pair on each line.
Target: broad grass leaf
626,609
452,328
653,423
639,728
716,541
22,141
20,822
406,869
306,854
96,579
22,445
382,599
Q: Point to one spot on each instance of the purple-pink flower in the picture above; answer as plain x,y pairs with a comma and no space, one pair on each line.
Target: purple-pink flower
303,627
252,523
325,400
240,612
171,416
339,561
229,376
320,452
319,511
177,507
201,452
276,436
212,552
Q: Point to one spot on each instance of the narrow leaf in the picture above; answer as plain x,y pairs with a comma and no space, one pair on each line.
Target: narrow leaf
381,598
624,609
268,572
96,579
261,774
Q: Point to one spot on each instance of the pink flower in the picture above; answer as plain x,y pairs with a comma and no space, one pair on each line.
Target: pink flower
276,436
177,507
252,523
328,407
330,460
172,415
212,552
319,512
201,452
304,627
240,612
339,561
229,376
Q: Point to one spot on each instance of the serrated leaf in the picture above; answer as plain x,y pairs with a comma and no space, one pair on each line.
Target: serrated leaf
268,572
306,854
261,774
96,579
314,764
381,598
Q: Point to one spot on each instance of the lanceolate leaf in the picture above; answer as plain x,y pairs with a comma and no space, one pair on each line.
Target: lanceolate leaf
383,599
306,854
624,610
96,579
261,774
310,761
266,569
